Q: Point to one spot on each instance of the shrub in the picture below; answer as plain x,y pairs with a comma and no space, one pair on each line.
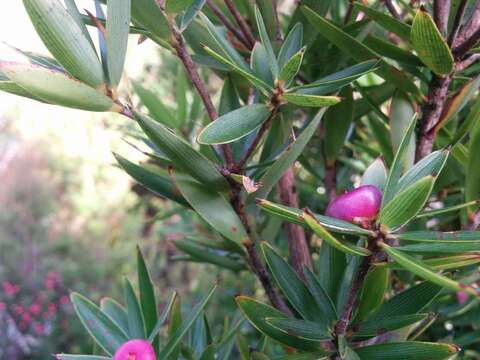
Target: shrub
325,97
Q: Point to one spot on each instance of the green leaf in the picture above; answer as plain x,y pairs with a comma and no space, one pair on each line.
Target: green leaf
303,329
358,51
259,64
65,40
469,123
212,207
181,89
12,88
295,216
147,14
118,28
80,357
445,263
204,254
272,59
190,13
174,323
330,267
286,159
393,51
337,123
453,247
257,313
156,182
376,174
291,46
292,286
439,237
234,125
429,44
409,350
100,327
292,67
375,287
386,21
430,165
157,109
406,204
323,233
136,322
175,339
246,73
176,6
310,100
397,164
422,270
116,312
375,327
410,301
182,154
72,9
162,317
148,301
472,178
57,88
401,113
324,302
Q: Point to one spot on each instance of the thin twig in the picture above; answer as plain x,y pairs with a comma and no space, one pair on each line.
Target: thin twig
462,65
457,22
441,10
221,16
468,34
278,28
192,71
393,11
348,14
244,28
297,240
464,47
330,181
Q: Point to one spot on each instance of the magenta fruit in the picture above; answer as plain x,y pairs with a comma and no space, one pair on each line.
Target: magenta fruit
135,350
359,205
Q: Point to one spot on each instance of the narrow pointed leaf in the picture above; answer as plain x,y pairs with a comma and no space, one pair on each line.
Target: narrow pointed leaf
75,14
148,301
304,329
182,154
400,115
291,46
324,302
147,14
259,64
102,329
376,174
136,322
176,6
439,237
190,13
116,312
420,269
453,262
162,317
57,88
12,88
375,327
212,207
234,125
292,67
323,233
453,247
375,287
311,100
175,339
80,357
409,350
118,28
429,44
406,204
65,40
272,59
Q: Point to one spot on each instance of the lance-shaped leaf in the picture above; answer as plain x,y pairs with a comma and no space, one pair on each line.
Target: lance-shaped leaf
453,247
148,15
292,67
118,28
234,125
190,13
323,234
295,216
203,254
212,207
10,87
409,350
321,296
376,174
422,270
116,312
162,318
136,321
337,123
286,159
257,313
291,46
272,59
337,80
57,88
304,329
358,51
392,51
75,14
156,182
406,204
102,329
429,44
148,301
374,289
439,237
375,327
175,338
310,100
444,263
472,180
182,154
386,21
259,64
292,286
65,40
397,165
80,357
176,6
401,113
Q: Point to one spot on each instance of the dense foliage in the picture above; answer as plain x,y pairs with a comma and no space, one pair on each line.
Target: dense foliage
273,114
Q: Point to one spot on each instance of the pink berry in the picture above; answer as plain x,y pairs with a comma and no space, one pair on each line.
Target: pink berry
362,203
135,350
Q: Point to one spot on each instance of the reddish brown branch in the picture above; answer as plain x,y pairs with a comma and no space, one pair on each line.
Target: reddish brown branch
441,11
330,181
468,35
393,11
297,240
457,22
244,28
462,65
